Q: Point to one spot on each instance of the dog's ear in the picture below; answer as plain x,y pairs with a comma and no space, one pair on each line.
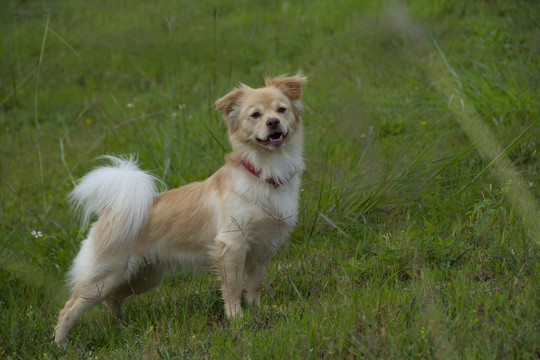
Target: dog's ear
230,105
227,103
289,85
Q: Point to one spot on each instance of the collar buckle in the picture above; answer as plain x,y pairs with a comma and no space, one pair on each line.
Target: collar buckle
249,167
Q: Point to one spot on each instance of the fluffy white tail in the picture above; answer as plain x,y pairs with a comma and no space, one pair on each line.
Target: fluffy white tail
121,193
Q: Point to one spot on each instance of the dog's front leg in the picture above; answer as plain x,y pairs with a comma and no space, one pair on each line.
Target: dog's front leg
255,271
229,260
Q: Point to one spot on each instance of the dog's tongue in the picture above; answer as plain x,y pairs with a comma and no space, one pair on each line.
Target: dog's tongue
276,139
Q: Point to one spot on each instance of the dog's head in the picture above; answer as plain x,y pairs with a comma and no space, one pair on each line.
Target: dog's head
266,117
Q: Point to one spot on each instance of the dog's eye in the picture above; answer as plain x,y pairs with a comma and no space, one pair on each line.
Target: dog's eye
256,114
281,110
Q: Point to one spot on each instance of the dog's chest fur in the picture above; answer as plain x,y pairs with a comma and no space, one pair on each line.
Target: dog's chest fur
264,214
269,215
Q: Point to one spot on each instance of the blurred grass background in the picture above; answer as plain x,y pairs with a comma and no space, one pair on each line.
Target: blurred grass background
418,232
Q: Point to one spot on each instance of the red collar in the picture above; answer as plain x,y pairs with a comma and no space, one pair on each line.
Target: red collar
257,173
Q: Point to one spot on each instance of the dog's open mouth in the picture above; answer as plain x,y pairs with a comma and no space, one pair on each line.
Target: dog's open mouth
274,139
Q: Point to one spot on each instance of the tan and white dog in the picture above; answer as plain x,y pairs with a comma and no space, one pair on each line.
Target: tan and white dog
235,220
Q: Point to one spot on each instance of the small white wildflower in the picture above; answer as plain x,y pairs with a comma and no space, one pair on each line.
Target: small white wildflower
36,234
181,106
130,105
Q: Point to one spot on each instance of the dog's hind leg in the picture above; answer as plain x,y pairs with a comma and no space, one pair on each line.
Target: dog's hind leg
115,304
148,277
85,296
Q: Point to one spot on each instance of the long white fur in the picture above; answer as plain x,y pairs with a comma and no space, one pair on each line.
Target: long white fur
126,194
124,191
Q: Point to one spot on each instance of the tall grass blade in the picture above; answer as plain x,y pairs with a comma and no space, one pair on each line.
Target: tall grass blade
335,226
40,62
506,150
214,137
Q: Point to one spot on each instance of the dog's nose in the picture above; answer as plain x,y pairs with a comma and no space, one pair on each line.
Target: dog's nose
272,123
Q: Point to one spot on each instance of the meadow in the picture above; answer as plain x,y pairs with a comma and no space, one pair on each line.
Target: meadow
419,231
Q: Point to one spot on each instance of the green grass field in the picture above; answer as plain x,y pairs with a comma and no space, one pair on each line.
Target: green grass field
419,231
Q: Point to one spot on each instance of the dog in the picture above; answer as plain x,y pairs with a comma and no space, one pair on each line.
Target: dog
235,220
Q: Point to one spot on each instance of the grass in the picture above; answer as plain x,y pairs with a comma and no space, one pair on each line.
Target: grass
418,232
